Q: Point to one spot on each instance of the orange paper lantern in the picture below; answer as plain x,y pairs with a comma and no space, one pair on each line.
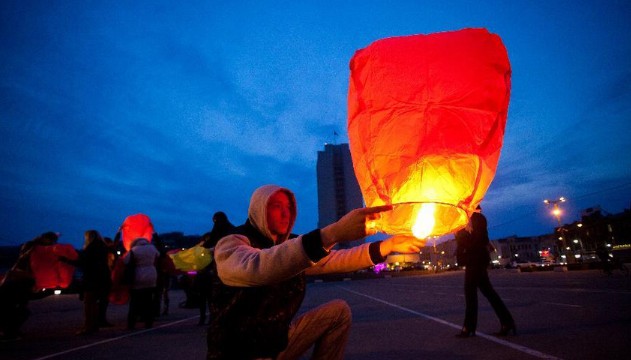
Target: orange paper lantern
426,118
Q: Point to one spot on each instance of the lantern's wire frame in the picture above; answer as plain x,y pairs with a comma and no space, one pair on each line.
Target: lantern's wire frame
373,224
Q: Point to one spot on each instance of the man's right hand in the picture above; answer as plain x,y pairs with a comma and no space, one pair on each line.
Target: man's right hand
351,226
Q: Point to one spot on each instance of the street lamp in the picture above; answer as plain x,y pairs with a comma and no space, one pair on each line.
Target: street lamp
556,212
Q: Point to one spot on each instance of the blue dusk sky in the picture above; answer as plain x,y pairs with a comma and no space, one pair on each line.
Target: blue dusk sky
181,109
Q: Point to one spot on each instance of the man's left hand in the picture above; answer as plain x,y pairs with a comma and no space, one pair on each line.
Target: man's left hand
401,244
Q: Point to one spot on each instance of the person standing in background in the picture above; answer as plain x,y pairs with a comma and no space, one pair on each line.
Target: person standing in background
204,278
16,289
97,282
137,231
473,250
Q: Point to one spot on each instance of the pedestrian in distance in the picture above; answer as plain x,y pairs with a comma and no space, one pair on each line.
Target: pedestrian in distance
96,282
143,257
261,271
166,271
473,251
111,259
204,278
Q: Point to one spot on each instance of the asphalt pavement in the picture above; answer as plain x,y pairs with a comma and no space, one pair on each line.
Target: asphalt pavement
559,315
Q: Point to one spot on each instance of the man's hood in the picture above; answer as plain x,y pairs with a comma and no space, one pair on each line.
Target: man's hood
257,213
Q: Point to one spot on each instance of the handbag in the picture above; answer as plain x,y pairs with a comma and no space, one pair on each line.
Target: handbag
129,273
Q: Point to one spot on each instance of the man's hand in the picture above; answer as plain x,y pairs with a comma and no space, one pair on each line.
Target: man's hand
351,226
401,244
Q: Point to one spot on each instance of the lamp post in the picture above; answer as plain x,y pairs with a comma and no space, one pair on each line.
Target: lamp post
557,212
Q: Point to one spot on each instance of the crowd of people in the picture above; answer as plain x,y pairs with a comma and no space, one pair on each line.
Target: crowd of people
254,287
102,265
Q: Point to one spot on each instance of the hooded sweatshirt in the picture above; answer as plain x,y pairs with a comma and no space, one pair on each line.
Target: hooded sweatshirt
145,256
261,282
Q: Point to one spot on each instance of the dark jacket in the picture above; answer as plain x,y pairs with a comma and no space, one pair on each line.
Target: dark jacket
94,264
93,261
473,248
252,322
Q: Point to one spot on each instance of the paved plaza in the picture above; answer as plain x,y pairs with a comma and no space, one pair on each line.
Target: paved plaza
559,315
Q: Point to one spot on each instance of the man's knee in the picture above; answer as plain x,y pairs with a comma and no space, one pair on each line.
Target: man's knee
343,311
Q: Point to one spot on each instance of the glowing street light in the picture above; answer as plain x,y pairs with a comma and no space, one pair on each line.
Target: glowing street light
556,210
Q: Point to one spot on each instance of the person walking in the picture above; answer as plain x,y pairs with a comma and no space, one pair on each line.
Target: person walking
473,249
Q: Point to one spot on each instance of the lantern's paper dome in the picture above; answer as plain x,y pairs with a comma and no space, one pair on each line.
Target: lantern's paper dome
48,270
192,259
134,227
426,119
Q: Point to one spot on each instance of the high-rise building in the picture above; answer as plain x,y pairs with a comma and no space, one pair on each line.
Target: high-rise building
338,190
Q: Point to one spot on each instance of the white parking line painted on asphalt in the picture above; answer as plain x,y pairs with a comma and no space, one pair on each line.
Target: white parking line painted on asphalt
497,340
115,338
561,304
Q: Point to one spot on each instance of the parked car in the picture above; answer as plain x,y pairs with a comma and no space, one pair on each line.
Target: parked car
546,262
523,265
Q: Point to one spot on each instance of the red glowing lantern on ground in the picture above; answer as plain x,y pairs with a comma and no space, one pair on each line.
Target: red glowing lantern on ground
426,119
134,227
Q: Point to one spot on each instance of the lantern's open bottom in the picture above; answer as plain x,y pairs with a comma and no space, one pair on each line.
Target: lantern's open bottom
422,219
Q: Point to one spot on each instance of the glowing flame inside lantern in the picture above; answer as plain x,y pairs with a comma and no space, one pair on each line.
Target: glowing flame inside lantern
425,221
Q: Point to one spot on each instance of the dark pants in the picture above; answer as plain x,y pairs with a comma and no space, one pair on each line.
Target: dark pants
162,294
204,303
94,308
104,301
476,277
14,295
141,305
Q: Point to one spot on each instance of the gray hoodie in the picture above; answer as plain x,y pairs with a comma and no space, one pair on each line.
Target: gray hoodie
145,258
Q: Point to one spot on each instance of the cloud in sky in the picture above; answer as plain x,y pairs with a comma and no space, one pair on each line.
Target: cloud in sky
180,111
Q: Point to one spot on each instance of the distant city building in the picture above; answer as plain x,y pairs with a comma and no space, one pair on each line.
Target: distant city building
338,190
574,242
516,248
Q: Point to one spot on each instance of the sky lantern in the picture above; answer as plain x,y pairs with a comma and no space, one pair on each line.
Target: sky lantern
134,227
48,270
191,259
426,119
